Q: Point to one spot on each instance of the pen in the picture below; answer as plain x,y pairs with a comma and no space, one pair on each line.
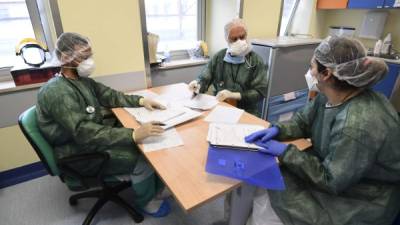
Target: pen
160,124
194,95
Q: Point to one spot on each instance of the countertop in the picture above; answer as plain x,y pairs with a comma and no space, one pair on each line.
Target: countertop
9,86
395,61
285,41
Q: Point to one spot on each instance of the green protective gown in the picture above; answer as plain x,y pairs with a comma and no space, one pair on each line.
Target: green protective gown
249,79
351,174
64,121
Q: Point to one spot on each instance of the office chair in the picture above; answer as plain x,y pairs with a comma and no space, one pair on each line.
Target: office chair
104,188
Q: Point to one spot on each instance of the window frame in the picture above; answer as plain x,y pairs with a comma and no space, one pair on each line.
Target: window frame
286,27
41,23
201,24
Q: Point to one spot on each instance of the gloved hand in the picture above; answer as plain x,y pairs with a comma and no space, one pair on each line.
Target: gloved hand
272,147
150,104
147,130
262,135
194,86
226,94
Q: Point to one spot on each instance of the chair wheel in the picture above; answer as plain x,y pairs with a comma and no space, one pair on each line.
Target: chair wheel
73,201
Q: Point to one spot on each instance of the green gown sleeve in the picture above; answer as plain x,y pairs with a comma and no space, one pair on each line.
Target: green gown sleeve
111,98
67,111
300,125
349,158
258,85
206,76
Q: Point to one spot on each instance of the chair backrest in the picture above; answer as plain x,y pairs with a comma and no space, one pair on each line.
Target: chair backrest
28,124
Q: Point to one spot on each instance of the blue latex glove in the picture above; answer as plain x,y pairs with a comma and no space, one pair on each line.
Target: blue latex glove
272,147
262,135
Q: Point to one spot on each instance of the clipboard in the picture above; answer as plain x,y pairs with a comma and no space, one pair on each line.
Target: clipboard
254,168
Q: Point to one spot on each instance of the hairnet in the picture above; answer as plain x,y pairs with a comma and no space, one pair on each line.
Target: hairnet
69,47
349,62
233,23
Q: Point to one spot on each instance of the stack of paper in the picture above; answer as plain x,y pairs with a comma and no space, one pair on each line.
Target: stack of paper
224,114
170,138
232,135
201,101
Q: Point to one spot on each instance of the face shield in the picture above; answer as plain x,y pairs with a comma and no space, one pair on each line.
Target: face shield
32,52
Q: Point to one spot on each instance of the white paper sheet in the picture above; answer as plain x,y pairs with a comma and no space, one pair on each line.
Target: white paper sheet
174,96
201,101
396,3
186,116
144,116
232,135
170,138
145,94
151,95
285,117
224,114
289,96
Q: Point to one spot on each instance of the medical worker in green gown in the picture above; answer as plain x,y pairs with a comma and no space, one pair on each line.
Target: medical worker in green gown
73,113
351,173
235,73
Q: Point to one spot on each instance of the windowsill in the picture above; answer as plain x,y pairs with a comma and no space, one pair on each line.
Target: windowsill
176,64
9,86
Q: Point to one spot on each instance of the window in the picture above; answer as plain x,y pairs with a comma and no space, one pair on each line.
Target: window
19,19
177,22
15,24
288,11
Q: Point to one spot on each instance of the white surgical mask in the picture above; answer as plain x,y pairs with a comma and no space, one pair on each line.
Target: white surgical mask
239,48
86,67
311,81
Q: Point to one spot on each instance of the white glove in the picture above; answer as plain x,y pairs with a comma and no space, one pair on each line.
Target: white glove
194,86
147,130
150,104
226,94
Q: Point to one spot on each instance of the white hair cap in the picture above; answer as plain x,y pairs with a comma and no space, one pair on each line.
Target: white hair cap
66,48
237,22
349,62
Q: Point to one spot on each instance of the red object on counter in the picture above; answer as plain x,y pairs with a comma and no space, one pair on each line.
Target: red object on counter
31,75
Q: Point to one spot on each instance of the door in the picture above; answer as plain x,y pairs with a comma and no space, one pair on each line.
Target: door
365,4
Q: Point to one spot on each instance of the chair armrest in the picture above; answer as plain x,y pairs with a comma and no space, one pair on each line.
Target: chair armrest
65,166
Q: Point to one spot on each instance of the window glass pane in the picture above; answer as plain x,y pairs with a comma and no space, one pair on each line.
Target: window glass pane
175,21
15,25
288,7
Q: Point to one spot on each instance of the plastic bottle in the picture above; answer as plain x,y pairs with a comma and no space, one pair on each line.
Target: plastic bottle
167,55
387,43
377,49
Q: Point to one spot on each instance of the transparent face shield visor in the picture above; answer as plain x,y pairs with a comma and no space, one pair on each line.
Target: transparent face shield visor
33,55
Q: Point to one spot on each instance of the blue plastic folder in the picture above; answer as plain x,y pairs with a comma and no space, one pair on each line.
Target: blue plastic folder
252,167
